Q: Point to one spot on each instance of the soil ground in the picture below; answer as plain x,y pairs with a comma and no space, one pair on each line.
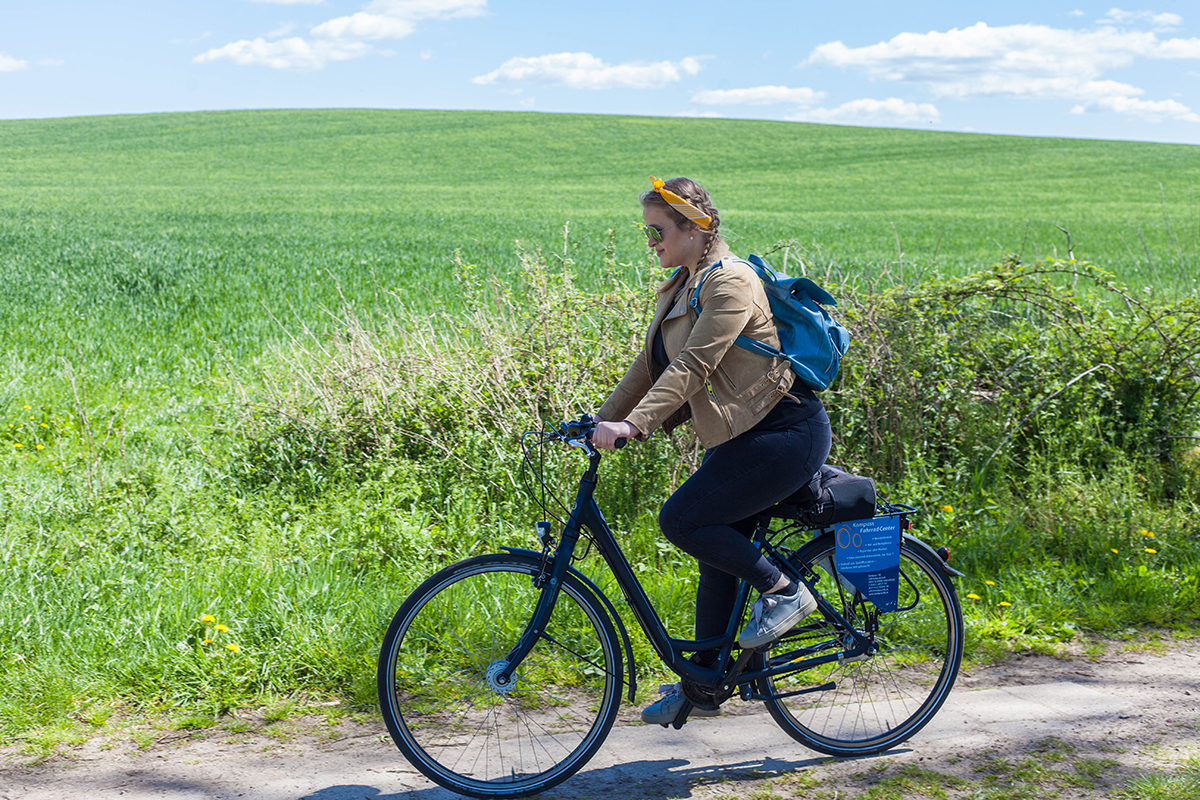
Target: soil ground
1113,712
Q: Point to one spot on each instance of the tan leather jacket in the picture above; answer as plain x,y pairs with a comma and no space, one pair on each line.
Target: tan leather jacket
729,389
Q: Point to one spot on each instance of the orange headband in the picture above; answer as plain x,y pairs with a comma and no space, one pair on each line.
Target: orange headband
679,204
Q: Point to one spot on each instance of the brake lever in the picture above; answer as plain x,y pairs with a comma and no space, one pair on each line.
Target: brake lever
573,431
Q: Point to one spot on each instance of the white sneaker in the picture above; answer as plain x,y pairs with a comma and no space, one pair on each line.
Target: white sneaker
773,615
664,710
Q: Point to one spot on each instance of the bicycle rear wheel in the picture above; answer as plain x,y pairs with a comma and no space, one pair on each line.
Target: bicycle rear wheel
453,722
874,703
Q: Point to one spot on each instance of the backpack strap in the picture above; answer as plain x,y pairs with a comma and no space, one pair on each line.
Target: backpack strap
695,301
744,342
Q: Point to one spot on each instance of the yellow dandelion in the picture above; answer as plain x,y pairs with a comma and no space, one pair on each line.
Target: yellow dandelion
1113,550
208,619
44,425
233,648
1146,533
41,447
222,629
208,641
17,444
973,596
1005,603
28,408
948,509
990,583
1151,550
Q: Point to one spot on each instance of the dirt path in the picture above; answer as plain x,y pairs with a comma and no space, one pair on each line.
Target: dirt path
1030,727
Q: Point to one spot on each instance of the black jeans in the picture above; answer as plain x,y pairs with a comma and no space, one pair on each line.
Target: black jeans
710,516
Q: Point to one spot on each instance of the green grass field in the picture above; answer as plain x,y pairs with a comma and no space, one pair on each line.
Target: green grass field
142,241
174,283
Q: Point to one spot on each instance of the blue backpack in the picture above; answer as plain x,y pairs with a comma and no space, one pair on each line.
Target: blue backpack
811,340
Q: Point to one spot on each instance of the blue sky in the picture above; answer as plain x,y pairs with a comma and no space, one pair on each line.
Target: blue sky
1028,68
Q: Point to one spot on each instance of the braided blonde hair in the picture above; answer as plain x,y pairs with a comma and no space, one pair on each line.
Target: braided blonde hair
695,194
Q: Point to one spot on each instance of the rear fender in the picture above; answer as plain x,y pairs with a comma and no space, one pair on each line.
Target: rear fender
913,543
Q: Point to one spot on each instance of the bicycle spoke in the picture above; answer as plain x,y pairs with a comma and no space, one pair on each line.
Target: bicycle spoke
578,655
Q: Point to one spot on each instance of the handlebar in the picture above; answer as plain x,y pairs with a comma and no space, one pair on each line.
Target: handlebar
574,430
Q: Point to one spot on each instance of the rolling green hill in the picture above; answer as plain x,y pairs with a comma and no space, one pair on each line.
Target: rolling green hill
136,239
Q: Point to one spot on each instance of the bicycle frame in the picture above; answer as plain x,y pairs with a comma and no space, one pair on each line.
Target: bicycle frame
491,689
585,513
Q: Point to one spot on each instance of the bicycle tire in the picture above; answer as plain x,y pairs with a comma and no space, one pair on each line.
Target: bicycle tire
473,738
875,703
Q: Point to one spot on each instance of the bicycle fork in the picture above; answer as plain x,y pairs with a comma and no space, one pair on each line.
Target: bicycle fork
500,673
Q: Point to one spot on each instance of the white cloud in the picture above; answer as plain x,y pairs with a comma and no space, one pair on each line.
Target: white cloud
1023,61
1159,22
429,9
981,60
393,19
294,53
364,26
282,30
758,96
892,111
586,71
1178,48
341,38
50,62
10,64
194,39
1149,110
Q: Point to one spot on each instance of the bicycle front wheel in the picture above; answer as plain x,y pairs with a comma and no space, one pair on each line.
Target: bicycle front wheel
445,711
871,704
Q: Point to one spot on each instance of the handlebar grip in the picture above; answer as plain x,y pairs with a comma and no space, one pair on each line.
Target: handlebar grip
621,442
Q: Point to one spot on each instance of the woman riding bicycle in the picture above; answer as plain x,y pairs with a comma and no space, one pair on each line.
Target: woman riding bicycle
765,434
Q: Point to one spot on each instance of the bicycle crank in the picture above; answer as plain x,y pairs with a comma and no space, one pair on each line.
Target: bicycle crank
702,697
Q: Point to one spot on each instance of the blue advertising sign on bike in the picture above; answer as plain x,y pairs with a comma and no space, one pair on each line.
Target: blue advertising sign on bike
868,556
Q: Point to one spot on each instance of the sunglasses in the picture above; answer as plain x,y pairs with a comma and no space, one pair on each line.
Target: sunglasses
654,232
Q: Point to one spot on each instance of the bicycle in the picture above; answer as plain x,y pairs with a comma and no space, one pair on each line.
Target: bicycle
501,675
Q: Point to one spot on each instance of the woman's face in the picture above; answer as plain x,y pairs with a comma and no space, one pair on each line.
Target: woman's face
680,246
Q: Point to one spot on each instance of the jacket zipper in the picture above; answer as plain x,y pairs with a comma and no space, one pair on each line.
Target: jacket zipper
720,409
